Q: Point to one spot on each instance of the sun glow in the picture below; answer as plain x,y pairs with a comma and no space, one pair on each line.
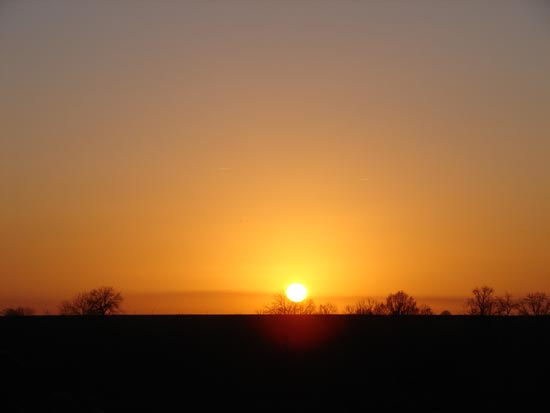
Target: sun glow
296,292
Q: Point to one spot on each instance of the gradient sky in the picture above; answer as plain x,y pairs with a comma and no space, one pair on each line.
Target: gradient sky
360,147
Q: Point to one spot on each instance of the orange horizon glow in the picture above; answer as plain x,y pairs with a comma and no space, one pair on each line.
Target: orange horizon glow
361,148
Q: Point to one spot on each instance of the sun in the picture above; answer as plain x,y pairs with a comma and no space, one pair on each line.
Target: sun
296,292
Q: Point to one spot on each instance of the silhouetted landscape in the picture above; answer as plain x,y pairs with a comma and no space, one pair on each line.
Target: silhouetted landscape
273,363
266,206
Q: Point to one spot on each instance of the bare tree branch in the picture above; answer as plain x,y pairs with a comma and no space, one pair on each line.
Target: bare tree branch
100,301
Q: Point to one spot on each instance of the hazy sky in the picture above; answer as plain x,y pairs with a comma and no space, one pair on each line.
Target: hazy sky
357,146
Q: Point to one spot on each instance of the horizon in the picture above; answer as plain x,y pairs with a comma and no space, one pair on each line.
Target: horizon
224,302
358,148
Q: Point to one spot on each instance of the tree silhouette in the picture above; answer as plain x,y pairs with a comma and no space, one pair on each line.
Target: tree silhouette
100,301
425,310
282,305
482,303
506,305
17,311
366,306
535,304
400,303
328,308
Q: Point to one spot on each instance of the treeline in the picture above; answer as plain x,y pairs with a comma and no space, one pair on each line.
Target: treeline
99,301
483,302
399,303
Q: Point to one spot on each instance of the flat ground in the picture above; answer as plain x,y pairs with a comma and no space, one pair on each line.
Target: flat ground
273,363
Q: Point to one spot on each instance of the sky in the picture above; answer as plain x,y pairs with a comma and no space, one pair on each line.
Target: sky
229,148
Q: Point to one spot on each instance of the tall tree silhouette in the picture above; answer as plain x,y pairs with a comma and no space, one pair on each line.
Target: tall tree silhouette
482,303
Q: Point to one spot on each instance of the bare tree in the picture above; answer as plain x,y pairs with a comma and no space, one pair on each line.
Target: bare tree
535,304
482,303
505,305
100,301
425,310
282,305
17,311
366,306
328,308
400,303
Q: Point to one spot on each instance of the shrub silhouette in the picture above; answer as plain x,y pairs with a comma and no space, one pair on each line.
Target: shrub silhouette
327,308
17,311
425,310
366,306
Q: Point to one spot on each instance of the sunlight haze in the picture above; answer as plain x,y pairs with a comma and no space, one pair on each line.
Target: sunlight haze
169,148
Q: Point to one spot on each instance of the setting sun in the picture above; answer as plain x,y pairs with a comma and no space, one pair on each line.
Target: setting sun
269,198
296,292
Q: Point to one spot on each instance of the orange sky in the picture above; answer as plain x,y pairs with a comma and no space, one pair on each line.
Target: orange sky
358,147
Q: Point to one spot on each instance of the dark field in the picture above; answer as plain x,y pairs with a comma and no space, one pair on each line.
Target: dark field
274,363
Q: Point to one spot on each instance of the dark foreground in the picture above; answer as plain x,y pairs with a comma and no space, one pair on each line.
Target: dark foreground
274,363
